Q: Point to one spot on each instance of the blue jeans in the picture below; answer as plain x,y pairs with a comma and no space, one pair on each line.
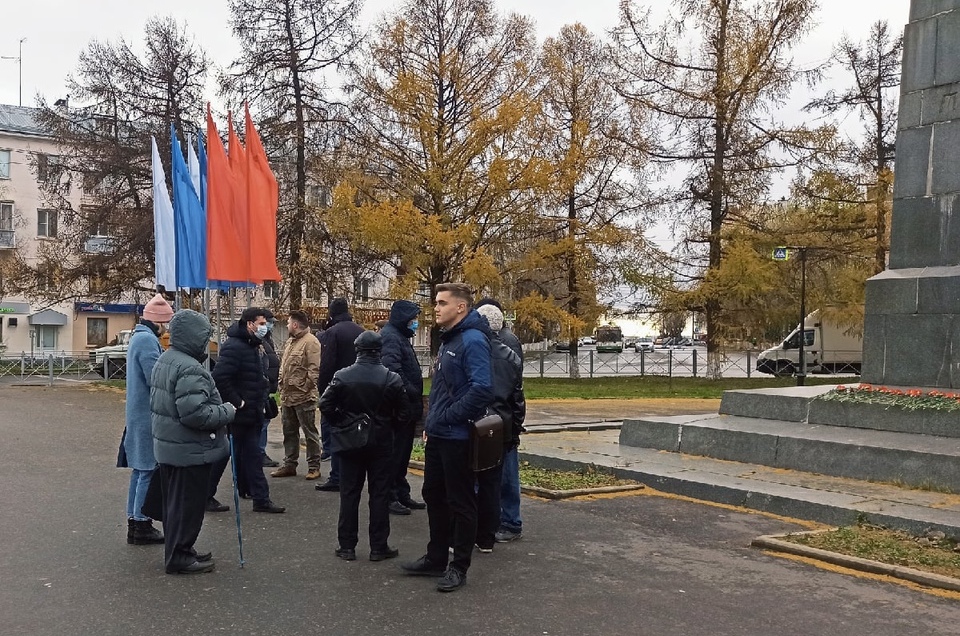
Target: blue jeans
510,492
334,476
139,483
263,437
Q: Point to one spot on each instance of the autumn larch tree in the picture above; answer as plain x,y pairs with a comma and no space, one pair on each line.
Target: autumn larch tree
587,196
439,99
874,65
711,76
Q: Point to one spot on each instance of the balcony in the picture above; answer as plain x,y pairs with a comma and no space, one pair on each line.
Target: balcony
99,245
7,239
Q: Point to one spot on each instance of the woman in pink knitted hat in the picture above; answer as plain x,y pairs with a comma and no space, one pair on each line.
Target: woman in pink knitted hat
136,447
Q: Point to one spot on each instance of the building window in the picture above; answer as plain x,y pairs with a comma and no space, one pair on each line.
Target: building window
47,223
6,215
6,224
45,336
96,332
4,164
361,290
271,289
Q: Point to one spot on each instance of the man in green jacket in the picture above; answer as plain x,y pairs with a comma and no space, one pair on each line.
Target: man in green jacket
189,421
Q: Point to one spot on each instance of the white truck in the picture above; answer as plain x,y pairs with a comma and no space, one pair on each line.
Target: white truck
112,359
827,348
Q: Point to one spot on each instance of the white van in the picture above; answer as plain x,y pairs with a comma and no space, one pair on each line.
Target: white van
827,348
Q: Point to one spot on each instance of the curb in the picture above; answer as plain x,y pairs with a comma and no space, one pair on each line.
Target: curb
547,493
774,543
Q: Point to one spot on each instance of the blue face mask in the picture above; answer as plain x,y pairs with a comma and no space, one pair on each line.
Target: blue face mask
270,326
413,325
262,331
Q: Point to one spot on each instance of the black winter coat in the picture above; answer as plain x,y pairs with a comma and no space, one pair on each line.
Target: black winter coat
399,356
273,363
336,347
367,387
241,375
508,399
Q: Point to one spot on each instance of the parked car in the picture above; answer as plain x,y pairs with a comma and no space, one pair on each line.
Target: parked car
586,340
643,344
561,345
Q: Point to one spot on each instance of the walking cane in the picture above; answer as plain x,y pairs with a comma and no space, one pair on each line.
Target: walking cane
236,494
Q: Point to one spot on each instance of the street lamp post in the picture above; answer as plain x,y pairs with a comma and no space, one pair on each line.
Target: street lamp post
19,60
782,253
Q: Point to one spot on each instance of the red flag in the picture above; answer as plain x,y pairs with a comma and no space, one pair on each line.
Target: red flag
227,257
262,199
241,204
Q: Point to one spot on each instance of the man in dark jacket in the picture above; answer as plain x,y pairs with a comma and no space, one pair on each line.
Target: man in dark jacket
511,524
189,422
241,377
509,404
366,387
460,393
336,352
399,356
273,374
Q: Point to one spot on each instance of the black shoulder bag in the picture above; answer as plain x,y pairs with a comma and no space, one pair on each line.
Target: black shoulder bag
354,432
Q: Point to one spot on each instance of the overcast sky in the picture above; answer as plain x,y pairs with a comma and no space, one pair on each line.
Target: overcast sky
57,30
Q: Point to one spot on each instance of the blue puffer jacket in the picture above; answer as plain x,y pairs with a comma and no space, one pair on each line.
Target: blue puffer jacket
398,355
462,386
241,375
142,354
189,418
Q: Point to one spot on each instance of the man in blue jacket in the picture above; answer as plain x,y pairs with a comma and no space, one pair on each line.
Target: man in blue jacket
399,356
461,391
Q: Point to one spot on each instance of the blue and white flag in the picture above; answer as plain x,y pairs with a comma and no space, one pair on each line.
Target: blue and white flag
163,226
190,221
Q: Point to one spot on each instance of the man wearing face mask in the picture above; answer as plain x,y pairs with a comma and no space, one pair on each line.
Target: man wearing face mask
399,356
241,377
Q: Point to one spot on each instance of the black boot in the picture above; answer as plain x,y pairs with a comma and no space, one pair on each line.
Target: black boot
144,533
131,525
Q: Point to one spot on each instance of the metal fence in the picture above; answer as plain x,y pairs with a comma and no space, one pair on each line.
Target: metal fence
78,365
60,365
689,363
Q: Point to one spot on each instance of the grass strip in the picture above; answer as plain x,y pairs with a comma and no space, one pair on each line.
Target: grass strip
933,553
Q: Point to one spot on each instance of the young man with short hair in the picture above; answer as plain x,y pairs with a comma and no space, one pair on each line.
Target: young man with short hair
460,393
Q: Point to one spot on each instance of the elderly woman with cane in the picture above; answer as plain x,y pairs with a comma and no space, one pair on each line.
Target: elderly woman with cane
189,429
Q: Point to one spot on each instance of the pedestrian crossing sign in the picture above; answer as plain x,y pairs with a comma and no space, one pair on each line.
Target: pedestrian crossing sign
781,253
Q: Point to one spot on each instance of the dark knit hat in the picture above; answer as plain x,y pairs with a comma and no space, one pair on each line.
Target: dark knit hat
489,301
338,306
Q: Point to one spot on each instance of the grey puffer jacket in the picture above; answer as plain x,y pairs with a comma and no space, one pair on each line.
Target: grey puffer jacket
188,417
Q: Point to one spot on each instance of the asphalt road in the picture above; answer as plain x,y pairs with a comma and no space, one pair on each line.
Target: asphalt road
629,565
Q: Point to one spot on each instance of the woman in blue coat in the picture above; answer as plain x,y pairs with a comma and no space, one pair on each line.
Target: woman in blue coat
137,443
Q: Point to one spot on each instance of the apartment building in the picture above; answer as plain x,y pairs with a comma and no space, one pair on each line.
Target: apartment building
38,325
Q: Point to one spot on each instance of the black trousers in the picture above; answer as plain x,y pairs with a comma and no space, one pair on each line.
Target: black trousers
448,490
184,490
488,505
249,463
372,464
402,446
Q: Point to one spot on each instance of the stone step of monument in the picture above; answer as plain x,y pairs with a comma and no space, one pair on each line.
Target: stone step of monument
792,493
914,460
799,404
791,404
